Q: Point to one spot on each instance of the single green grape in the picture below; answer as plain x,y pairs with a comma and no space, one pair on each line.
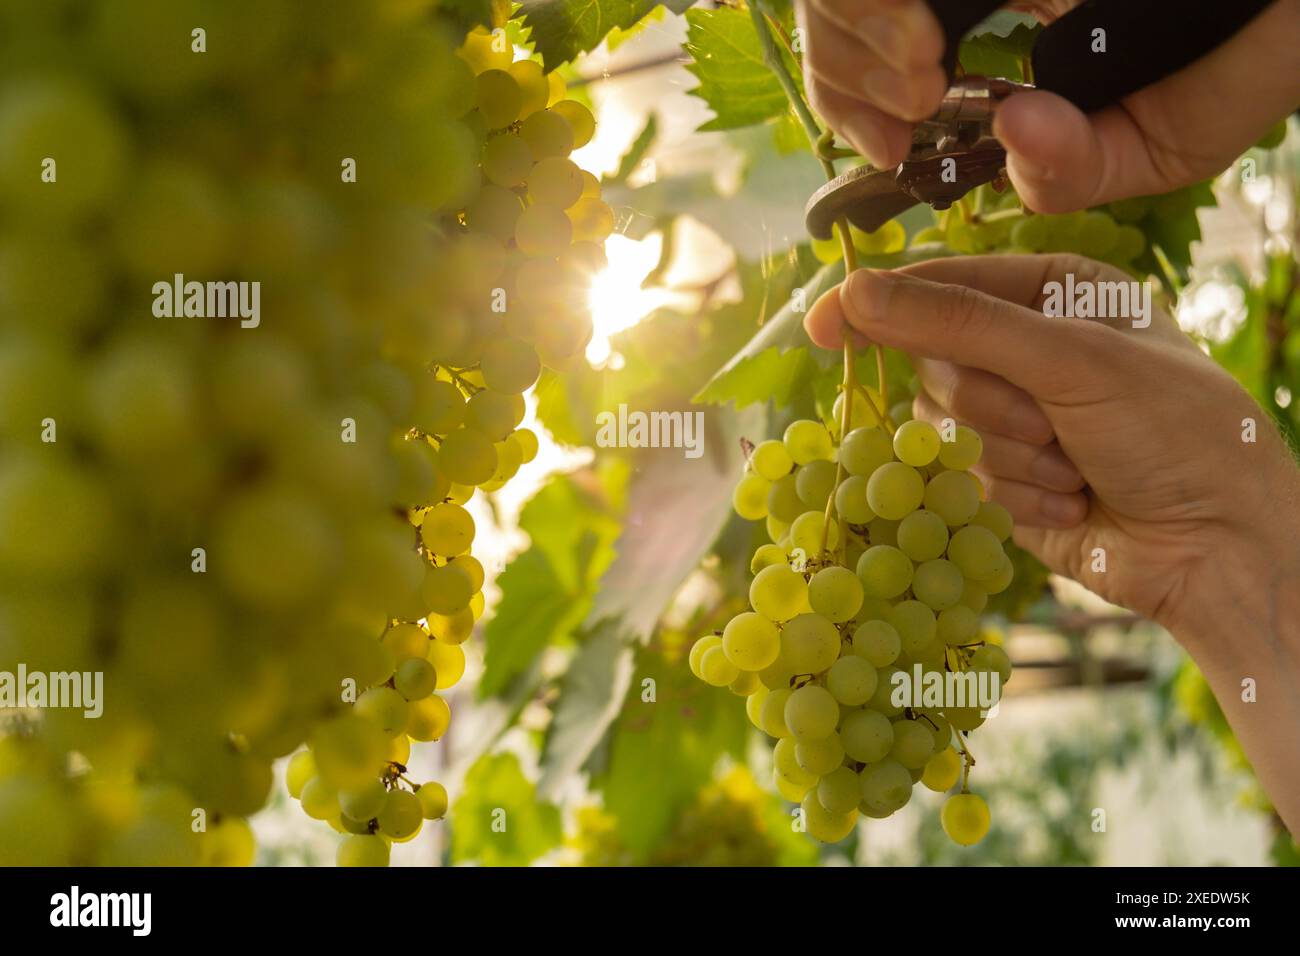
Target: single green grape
957,625
821,756
385,707
851,500
823,825
772,716
365,802
467,456
942,771
415,678
716,668
885,572
963,452
433,800
915,625
811,713
401,816
771,460
751,641
877,642
808,530
783,501
866,735
839,791
809,644
953,496
750,497
815,481
807,440
555,181
851,680
362,850
864,450
765,556
937,583
507,160
778,593
582,124
923,536
895,490
498,98
447,530
965,818
913,744
916,443
835,593
886,785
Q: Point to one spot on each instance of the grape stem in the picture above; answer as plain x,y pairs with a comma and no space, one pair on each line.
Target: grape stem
968,761
846,420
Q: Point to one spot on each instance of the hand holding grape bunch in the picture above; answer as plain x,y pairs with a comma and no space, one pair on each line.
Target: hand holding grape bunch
1103,440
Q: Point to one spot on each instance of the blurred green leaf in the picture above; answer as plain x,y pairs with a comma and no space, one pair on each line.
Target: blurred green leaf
664,751
499,819
590,696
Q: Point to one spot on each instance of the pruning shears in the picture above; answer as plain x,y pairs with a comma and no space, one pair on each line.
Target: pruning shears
1094,56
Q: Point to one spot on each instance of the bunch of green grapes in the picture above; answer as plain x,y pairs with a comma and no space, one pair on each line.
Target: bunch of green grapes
1104,235
895,581
255,532
530,234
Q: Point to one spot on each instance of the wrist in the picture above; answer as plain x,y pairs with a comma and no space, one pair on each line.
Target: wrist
1243,604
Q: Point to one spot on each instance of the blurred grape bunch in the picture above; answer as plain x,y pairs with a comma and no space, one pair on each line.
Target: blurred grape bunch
732,822
318,457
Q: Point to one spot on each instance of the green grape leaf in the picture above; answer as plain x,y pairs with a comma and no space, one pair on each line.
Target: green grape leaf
590,696
500,819
467,14
1003,23
663,751
637,151
562,29
990,52
566,404
727,59
1173,225
547,589
535,609
779,360
773,374
676,507
617,37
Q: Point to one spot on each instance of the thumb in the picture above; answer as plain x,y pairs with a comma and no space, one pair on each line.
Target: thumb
1051,359
1055,156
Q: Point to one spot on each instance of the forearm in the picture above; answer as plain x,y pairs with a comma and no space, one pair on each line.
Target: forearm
1243,631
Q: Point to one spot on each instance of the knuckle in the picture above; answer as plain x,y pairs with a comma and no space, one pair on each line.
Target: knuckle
962,310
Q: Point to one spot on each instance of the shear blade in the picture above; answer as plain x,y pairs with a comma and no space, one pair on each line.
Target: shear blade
867,197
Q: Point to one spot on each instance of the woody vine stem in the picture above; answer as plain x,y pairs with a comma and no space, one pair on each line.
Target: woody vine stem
823,148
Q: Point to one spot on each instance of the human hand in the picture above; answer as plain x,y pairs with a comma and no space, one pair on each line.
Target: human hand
1096,434
872,70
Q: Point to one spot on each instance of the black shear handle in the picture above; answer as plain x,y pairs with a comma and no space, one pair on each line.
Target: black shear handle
1144,41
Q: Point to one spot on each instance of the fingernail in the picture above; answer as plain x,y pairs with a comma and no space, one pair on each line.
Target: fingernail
869,292
866,139
1052,471
884,35
1066,509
